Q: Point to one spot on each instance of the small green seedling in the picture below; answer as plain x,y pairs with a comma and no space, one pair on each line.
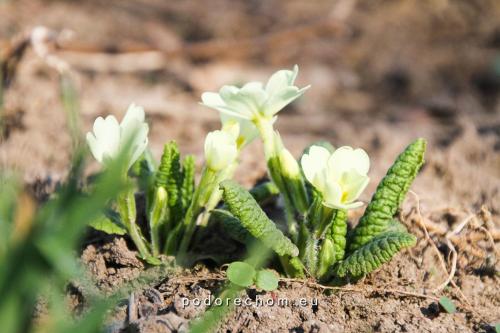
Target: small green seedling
267,280
244,275
447,304
241,274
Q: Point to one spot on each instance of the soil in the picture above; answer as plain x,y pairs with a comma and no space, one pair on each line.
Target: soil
382,74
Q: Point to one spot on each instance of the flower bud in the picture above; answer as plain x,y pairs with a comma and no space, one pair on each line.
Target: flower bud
289,166
220,150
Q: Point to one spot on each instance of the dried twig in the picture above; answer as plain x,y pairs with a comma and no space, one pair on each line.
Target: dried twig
453,269
427,236
364,290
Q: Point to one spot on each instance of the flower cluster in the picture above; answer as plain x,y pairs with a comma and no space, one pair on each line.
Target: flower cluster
338,177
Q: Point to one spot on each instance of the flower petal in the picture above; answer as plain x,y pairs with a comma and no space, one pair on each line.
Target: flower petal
212,99
107,134
314,161
95,149
353,184
248,132
282,98
361,161
344,206
332,194
133,119
137,142
239,102
281,80
345,159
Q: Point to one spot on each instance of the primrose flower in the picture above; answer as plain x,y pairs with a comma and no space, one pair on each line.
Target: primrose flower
247,131
109,137
220,150
254,100
340,176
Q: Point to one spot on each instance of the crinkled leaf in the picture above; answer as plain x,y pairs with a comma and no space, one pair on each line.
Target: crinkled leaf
267,280
232,226
337,232
244,207
169,175
375,253
265,191
241,274
187,188
389,195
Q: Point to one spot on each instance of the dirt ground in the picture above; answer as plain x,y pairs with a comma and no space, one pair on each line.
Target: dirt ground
382,74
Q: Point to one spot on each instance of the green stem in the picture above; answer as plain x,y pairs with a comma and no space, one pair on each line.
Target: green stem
200,197
127,210
216,195
265,128
157,217
267,134
324,221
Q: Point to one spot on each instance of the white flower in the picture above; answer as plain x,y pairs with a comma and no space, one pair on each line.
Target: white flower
220,150
247,131
341,176
253,100
109,138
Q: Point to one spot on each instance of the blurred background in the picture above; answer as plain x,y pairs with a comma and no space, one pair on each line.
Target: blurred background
382,73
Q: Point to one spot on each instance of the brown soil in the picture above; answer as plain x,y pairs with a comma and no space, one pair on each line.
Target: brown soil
382,73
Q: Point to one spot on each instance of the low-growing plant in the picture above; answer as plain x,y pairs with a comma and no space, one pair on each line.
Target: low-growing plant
173,202
317,191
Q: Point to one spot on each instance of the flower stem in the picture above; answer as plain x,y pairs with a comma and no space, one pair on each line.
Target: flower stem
128,213
200,197
157,215
216,194
265,128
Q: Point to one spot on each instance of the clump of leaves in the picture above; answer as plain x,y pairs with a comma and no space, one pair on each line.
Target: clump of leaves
317,191
324,248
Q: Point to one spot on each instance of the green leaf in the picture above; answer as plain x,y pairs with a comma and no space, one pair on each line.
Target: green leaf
153,261
169,175
241,274
389,195
187,187
310,257
109,224
267,280
375,253
244,207
395,225
232,226
447,304
263,192
337,232
497,328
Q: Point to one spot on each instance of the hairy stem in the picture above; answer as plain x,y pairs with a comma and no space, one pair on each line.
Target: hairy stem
200,197
127,210
265,128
